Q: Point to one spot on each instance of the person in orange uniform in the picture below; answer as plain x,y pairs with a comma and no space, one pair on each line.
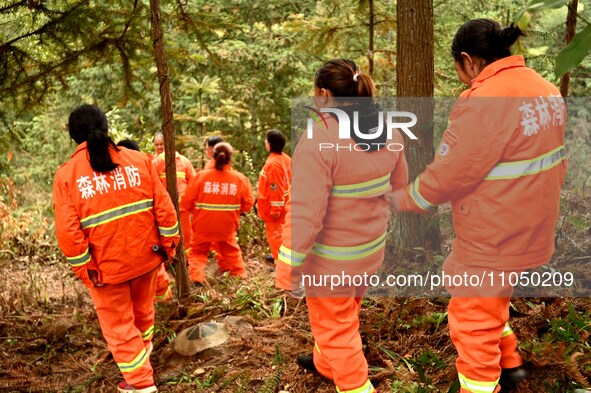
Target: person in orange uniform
184,173
273,186
337,218
501,163
219,195
111,214
208,146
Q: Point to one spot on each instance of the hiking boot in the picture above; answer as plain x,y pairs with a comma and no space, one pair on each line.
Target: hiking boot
307,363
269,258
123,387
510,377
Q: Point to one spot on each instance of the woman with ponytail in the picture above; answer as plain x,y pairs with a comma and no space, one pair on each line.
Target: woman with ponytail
220,195
337,218
501,163
112,218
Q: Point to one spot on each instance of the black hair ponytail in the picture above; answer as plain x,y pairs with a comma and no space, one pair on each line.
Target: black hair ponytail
484,38
222,154
87,123
98,151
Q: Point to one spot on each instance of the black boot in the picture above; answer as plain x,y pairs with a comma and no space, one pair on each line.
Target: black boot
307,363
510,377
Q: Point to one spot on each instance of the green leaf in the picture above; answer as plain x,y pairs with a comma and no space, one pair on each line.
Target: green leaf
574,53
524,17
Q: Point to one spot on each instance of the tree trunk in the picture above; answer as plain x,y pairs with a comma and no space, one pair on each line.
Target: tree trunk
182,277
571,27
415,78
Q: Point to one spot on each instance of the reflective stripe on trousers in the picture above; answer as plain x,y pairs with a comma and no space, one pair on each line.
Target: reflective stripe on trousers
477,386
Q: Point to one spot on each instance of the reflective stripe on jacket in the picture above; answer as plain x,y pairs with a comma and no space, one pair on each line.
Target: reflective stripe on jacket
109,221
336,211
218,198
501,163
184,171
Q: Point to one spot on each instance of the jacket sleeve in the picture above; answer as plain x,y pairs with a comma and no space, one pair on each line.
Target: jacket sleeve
275,188
70,237
310,190
247,199
189,169
187,205
165,214
467,153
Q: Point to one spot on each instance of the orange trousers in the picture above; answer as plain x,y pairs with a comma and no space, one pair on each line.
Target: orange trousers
338,352
479,328
231,258
163,292
274,238
126,314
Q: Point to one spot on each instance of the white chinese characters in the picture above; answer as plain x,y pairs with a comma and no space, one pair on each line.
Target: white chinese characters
541,113
217,188
117,179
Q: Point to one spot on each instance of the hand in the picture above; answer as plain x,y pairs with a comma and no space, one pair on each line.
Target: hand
393,201
93,276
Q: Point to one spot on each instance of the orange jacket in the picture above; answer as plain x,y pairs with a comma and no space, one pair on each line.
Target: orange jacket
218,197
184,171
336,208
109,221
273,186
501,163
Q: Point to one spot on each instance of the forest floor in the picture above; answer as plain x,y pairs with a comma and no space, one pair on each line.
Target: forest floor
50,339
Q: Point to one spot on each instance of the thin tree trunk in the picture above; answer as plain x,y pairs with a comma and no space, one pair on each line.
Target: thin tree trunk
182,277
371,38
571,27
415,78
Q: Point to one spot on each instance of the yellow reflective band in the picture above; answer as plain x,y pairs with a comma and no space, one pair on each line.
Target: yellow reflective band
477,386
178,174
369,188
146,335
413,190
317,347
162,297
116,213
366,388
135,363
170,231
290,257
513,170
217,207
507,331
279,203
81,259
349,253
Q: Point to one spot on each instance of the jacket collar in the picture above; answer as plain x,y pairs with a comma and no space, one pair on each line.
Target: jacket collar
82,146
496,67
